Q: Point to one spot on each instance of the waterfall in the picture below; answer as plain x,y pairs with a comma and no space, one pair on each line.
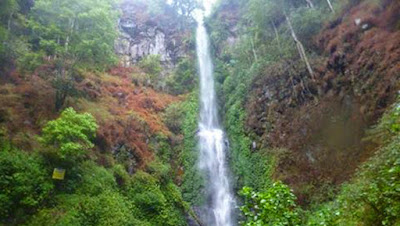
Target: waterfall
211,139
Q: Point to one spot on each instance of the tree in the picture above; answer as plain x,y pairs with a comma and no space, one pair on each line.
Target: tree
63,81
310,4
275,206
185,7
24,183
71,34
7,10
152,67
265,14
12,26
82,30
330,5
70,135
183,79
300,47
284,8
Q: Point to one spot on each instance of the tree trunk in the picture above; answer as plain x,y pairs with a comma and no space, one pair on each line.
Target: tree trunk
310,4
300,48
70,34
9,21
277,36
66,43
254,50
195,217
330,5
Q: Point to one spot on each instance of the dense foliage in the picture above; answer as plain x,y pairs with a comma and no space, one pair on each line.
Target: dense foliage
25,184
71,134
12,27
183,79
89,194
82,31
264,39
193,187
58,46
152,66
134,160
275,206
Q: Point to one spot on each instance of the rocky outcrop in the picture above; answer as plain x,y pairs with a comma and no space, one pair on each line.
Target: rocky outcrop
142,33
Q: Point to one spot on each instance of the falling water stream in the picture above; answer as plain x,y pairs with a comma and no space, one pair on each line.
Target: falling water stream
212,142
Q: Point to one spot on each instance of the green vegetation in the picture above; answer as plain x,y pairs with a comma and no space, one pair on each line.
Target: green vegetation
251,169
134,161
275,206
152,66
371,198
70,134
90,194
193,189
63,43
66,35
12,26
254,42
83,35
183,79
24,183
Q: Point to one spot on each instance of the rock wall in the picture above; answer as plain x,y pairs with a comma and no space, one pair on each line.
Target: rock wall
144,33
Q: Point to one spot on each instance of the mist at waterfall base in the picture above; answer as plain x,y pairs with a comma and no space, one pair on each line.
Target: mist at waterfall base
212,158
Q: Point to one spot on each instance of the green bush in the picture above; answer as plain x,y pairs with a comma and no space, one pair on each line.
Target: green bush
184,78
154,203
120,174
173,118
29,61
95,179
160,171
275,206
388,125
107,208
325,214
374,197
70,135
151,65
145,192
24,183
142,199
193,188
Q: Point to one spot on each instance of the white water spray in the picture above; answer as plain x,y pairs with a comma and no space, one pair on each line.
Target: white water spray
212,142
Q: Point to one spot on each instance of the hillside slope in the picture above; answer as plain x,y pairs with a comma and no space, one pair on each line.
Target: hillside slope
308,127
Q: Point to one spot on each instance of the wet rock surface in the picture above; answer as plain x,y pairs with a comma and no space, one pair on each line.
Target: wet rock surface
143,34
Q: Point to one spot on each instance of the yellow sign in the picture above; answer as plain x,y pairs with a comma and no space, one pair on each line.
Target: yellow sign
58,174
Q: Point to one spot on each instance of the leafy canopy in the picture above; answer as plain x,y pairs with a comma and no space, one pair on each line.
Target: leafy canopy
81,30
275,206
24,183
70,134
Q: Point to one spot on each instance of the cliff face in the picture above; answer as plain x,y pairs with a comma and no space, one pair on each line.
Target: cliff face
356,83
321,124
143,33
